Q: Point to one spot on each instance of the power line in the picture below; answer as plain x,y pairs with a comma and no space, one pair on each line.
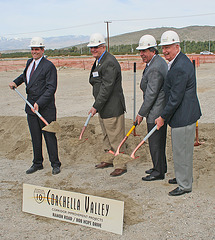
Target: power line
56,29
114,20
160,18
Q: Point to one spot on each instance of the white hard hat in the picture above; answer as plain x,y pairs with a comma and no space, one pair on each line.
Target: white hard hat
146,41
96,39
169,37
37,42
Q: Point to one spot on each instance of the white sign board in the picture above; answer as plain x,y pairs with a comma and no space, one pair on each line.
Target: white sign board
86,210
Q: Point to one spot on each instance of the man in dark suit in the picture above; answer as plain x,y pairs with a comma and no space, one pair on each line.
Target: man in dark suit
154,102
40,77
181,112
106,79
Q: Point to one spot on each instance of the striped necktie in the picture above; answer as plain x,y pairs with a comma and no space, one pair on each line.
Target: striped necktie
32,71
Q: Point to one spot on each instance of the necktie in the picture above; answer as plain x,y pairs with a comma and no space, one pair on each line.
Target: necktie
32,71
145,68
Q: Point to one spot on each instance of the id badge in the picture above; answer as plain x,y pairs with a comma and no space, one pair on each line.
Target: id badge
95,74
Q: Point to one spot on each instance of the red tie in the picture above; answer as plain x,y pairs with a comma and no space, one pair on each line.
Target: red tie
32,71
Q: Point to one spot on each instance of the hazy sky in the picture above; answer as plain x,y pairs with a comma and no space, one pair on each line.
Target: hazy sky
47,18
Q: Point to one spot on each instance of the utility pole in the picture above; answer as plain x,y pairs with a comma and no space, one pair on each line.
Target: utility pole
209,44
108,33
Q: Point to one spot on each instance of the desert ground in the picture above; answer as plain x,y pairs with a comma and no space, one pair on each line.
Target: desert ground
149,212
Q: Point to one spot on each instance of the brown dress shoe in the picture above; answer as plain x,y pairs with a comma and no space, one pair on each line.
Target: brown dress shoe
118,172
104,165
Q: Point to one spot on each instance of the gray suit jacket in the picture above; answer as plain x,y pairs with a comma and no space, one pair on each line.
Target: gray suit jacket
182,108
152,86
106,80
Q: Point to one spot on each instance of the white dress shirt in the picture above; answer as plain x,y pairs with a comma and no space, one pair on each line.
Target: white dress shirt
30,68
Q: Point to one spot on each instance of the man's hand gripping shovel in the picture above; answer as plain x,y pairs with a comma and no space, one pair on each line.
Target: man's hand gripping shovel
52,127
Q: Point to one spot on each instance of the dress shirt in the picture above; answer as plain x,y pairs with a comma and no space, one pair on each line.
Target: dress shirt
30,68
171,62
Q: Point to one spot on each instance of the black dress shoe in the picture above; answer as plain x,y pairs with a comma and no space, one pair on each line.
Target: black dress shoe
177,192
34,168
153,178
172,181
55,170
149,171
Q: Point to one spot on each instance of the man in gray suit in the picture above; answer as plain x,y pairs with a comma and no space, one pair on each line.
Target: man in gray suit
154,102
181,112
106,79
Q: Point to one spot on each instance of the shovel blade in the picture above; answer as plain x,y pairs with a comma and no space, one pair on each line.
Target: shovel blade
53,127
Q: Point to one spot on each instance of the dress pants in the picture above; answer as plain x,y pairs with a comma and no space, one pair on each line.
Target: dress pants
182,147
157,147
35,127
113,131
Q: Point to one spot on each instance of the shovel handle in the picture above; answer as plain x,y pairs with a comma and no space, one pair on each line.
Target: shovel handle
131,130
85,125
88,119
32,108
125,138
145,138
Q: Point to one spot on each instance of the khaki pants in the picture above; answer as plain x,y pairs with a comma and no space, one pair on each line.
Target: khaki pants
114,131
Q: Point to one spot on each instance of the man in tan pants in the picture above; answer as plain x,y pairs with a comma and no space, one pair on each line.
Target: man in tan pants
106,80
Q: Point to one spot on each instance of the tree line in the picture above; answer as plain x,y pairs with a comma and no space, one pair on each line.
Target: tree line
187,47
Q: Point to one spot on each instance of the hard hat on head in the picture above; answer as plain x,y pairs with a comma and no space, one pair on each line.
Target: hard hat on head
96,39
146,41
169,37
37,42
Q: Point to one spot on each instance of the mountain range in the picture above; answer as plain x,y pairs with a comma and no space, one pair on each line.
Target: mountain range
21,44
190,33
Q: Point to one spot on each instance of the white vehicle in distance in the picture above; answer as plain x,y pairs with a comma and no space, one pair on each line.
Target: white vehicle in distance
206,53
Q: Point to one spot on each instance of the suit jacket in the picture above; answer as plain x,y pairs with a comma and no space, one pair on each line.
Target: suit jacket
182,106
152,87
106,80
41,87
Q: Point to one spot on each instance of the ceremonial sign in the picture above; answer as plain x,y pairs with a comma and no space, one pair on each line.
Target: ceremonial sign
91,211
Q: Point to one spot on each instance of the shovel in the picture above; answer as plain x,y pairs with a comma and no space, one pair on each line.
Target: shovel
85,125
141,143
52,127
125,138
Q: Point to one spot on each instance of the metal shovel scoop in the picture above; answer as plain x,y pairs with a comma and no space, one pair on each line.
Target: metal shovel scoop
52,127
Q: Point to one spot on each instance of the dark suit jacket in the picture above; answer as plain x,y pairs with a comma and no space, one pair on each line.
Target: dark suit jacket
182,106
106,80
152,87
41,88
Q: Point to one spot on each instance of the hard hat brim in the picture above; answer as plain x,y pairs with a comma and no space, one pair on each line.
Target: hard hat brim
95,45
36,46
168,43
144,48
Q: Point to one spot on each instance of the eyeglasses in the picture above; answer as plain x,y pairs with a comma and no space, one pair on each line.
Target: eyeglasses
96,47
